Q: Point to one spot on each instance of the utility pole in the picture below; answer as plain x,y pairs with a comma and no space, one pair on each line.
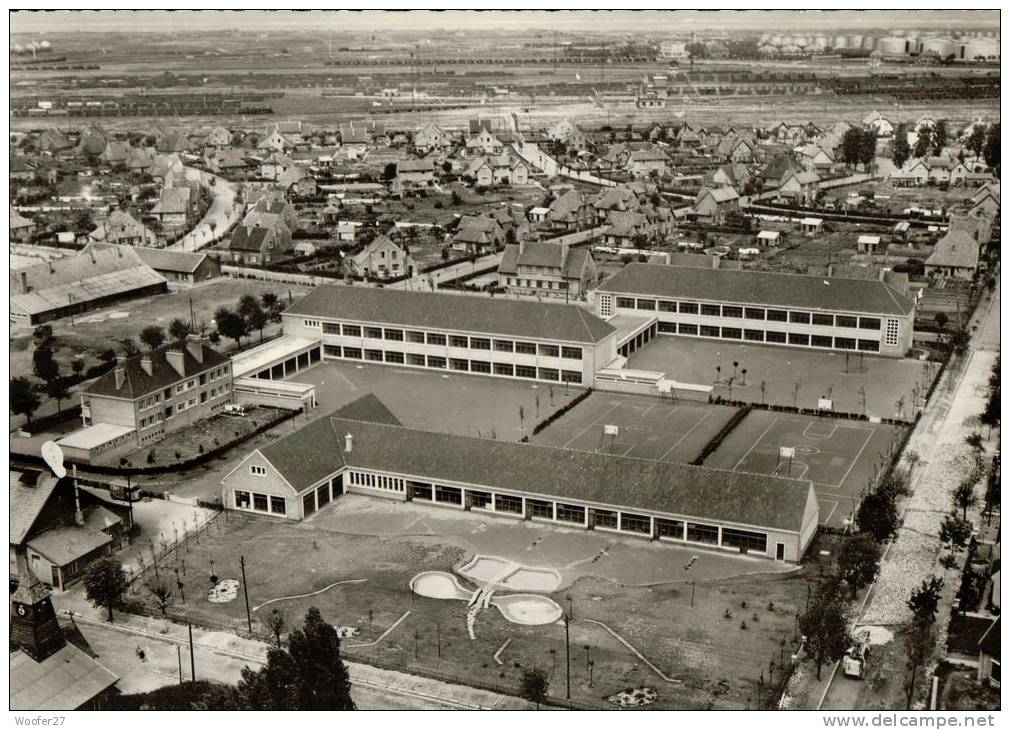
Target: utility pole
178,652
245,590
192,657
438,640
568,663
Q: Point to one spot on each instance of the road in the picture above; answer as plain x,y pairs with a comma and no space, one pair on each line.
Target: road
223,212
947,419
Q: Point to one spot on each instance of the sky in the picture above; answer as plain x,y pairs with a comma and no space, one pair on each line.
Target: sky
421,21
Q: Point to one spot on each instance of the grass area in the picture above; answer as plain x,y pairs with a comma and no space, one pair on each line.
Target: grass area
468,405
649,428
725,634
91,333
790,376
838,456
198,437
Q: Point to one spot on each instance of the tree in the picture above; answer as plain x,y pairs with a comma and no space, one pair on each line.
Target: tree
976,140
44,365
867,148
270,302
991,151
824,623
939,136
919,642
161,590
129,347
955,531
24,401
277,622
315,648
852,142
178,330
77,365
43,334
878,515
977,446
901,150
231,324
253,314
274,687
924,600
389,171
105,584
964,495
57,390
923,141
152,337
941,320
533,684
859,560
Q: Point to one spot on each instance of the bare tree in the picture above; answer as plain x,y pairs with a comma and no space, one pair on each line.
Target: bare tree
277,622
161,590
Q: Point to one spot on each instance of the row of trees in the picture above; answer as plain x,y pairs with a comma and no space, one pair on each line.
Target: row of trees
982,142
859,147
251,314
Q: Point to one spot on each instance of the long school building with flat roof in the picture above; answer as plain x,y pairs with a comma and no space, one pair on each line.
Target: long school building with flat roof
732,511
851,315
486,336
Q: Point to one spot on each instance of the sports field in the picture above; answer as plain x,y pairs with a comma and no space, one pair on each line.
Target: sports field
467,405
838,456
792,376
647,428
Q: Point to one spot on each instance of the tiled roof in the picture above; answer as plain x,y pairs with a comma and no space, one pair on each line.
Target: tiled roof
63,545
91,289
26,504
758,287
245,238
579,476
422,165
957,248
138,383
76,269
172,201
161,259
67,680
458,313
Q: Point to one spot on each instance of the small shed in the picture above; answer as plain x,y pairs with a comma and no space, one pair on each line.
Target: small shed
868,244
901,229
748,253
811,225
769,238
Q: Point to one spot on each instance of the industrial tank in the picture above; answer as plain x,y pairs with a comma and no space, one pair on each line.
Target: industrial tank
840,42
892,46
942,47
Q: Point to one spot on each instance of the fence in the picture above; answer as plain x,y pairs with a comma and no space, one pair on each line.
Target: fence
167,549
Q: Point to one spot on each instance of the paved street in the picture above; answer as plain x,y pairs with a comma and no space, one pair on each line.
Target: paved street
223,212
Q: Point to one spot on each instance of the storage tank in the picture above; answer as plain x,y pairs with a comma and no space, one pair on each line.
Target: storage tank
840,42
778,40
912,45
819,42
979,49
869,43
855,41
892,46
942,47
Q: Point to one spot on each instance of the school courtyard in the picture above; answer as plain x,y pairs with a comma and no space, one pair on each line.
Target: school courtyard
877,386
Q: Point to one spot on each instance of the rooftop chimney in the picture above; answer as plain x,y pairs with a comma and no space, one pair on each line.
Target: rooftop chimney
145,363
195,343
120,371
23,280
348,443
176,357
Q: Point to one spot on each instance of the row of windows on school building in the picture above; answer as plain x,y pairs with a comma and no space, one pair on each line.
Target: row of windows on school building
862,334
594,518
484,367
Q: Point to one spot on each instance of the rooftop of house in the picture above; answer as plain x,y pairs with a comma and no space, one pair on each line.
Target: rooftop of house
172,201
758,287
957,249
459,313
26,503
137,383
66,680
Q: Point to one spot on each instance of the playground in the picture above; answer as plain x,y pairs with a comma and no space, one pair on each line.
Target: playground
792,376
838,456
467,405
404,575
646,427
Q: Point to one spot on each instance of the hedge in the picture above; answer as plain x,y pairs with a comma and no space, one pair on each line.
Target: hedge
725,431
841,415
41,424
561,411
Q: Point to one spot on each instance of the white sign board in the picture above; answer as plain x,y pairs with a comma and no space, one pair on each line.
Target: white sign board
824,404
787,452
53,456
609,430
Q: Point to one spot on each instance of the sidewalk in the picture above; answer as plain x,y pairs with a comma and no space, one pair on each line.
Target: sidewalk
218,655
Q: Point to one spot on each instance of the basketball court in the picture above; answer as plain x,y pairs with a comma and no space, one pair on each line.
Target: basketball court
837,456
638,426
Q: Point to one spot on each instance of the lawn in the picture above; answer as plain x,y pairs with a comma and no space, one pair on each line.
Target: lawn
728,625
838,456
648,428
469,405
791,376
89,334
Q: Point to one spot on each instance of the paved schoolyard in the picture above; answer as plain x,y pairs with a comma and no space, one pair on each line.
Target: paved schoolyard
648,428
837,456
468,405
818,373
